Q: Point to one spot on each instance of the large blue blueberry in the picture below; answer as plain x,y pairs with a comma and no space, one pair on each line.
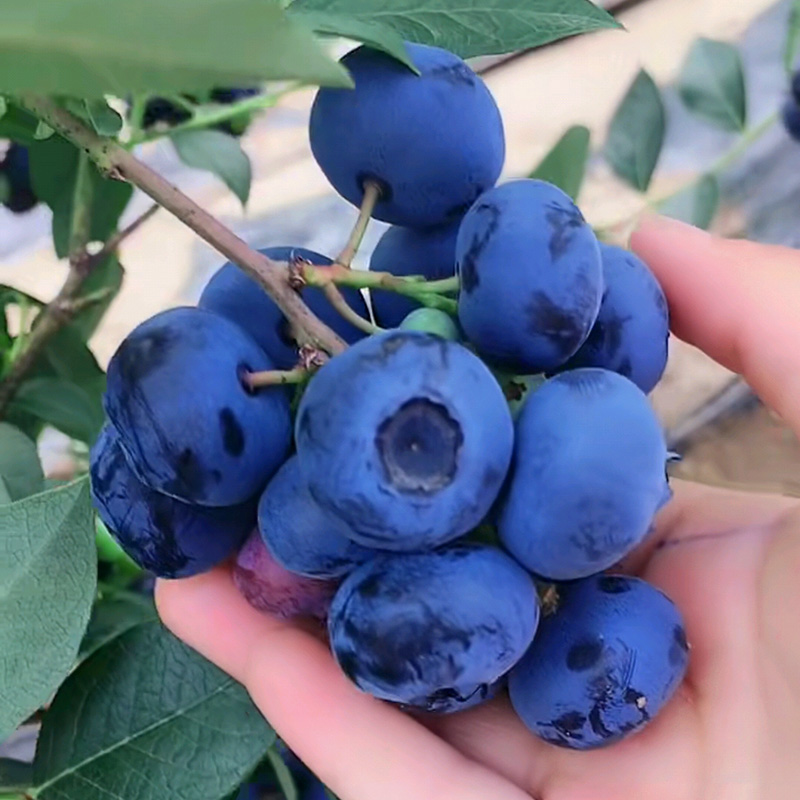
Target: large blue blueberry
433,142
632,329
531,276
187,423
16,168
235,295
603,665
301,536
165,536
588,475
408,251
433,630
406,437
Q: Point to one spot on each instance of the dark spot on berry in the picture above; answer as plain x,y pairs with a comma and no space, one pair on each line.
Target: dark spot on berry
190,477
561,325
614,584
139,356
563,221
584,655
468,266
370,587
458,73
232,433
349,664
679,647
597,724
570,724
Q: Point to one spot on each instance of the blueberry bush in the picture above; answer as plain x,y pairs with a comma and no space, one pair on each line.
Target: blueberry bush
369,447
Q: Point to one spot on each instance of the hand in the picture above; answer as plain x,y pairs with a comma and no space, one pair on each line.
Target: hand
731,561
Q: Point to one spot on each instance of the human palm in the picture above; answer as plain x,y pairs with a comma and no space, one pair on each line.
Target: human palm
731,562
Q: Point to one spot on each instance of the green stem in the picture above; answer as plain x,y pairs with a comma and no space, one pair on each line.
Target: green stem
213,116
372,193
260,380
82,196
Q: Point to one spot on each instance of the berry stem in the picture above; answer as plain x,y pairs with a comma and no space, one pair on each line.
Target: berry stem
372,193
116,161
260,380
337,300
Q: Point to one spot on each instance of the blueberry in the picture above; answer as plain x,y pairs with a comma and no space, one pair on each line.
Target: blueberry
588,475
408,251
235,295
602,666
228,96
164,536
632,329
16,167
791,118
431,320
405,437
187,423
268,587
531,276
160,110
433,142
436,630
300,536
796,87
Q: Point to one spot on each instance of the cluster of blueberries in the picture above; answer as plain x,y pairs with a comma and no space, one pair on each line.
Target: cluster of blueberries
791,109
398,498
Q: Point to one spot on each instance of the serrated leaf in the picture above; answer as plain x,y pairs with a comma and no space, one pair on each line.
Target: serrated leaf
62,404
283,775
88,48
696,204
156,720
54,167
636,134
114,616
218,153
712,84
48,574
792,38
15,776
470,27
565,165
20,467
105,120
374,34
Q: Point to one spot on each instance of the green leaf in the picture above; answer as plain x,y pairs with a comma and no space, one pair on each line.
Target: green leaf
156,720
43,131
565,164
114,616
62,404
3,106
712,84
283,775
792,38
54,169
636,134
88,48
696,204
5,495
48,573
374,34
104,119
468,27
15,776
20,467
5,188
219,153
17,125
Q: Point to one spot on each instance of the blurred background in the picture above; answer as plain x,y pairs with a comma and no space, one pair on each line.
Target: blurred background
724,434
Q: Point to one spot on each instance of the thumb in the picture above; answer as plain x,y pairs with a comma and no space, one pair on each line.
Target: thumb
737,301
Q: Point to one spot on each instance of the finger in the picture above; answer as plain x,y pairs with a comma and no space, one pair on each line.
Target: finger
361,747
735,300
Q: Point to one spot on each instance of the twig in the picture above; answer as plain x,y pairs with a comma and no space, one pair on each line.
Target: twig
115,160
68,301
337,300
372,193
259,380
